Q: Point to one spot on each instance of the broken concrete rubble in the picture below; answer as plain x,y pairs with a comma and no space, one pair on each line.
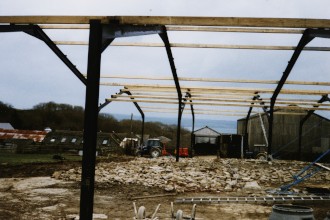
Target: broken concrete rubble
196,175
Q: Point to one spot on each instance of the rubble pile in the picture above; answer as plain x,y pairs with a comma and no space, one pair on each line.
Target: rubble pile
195,174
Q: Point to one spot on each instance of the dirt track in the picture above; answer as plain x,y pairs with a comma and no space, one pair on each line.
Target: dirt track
44,197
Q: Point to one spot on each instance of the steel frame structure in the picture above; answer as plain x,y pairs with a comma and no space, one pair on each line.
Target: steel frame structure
104,29
324,98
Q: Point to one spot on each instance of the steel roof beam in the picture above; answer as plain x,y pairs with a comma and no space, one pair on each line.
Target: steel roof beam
305,39
166,41
304,119
136,105
37,32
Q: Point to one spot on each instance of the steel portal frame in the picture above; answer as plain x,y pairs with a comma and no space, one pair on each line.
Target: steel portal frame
103,30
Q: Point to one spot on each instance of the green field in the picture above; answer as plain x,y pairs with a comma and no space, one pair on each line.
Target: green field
17,159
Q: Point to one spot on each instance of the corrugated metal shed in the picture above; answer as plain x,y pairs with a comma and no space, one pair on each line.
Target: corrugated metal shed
206,132
285,143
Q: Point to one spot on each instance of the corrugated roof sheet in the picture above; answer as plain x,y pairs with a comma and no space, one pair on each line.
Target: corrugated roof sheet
6,126
37,136
207,132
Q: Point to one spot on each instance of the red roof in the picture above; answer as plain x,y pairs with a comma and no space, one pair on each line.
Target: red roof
37,136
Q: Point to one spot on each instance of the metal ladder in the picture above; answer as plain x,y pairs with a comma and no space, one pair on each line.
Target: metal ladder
261,199
306,173
263,129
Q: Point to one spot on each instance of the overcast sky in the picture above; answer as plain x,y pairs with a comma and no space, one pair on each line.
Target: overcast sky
31,73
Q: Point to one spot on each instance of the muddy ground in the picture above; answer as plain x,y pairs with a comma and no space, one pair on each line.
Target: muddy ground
29,192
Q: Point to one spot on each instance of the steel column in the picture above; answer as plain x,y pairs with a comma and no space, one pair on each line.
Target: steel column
188,94
305,39
164,37
303,120
91,118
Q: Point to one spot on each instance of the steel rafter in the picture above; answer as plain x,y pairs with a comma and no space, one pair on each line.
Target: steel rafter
325,98
308,36
37,32
166,41
136,105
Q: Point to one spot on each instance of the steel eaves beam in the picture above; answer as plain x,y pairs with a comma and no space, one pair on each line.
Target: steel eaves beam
90,121
305,39
116,30
15,28
323,33
166,41
112,31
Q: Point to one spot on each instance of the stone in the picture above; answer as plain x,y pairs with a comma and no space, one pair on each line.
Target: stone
228,188
169,188
252,186
57,174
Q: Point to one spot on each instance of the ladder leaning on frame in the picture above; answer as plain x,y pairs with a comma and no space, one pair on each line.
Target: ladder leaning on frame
306,172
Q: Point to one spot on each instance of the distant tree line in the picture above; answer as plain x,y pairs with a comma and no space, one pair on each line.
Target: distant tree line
69,117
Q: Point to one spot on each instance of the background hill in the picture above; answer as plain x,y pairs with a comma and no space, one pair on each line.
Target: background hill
68,117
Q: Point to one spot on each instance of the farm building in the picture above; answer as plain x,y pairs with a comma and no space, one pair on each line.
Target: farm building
60,141
315,134
206,141
210,142
16,141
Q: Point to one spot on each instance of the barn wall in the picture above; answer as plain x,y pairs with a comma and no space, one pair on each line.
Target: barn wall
241,127
315,139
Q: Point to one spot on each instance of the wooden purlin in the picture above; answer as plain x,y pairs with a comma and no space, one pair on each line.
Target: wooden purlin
173,20
195,79
222,89
190,45
210,111
195,28
171,91
219,104
218,113
240,30
234,100
223,96
197,113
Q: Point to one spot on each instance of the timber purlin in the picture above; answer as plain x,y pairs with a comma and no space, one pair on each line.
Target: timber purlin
172,20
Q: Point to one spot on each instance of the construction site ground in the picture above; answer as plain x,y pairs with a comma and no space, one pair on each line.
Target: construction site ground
33,192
